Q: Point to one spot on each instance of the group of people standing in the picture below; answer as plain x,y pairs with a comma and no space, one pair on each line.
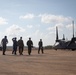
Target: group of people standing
20,45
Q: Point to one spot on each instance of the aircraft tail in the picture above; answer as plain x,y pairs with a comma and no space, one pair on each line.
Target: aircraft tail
73,28
57,38
63,37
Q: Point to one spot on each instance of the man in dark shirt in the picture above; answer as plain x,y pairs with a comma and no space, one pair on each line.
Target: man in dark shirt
30,45
14,45
40,44
21,46
4,43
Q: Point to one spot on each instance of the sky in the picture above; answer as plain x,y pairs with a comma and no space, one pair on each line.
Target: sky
37,19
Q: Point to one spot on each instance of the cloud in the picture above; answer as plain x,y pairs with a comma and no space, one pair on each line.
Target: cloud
49,18
59,25
36,32
29,26
69,26
14,30
47,35
3,21
27,16
51,28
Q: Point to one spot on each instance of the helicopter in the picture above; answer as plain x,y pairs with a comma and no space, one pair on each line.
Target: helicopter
63,44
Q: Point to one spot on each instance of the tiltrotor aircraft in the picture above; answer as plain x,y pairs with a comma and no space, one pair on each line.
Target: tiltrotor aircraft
63,44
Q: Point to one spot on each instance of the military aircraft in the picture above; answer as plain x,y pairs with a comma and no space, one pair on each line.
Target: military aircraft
63,44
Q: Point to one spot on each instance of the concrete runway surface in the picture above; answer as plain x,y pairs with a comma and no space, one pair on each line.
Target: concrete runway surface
60,62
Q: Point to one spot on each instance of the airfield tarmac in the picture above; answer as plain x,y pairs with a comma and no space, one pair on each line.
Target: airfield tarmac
60,62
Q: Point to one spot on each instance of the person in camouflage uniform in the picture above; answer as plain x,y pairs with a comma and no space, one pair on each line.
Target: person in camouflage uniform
21,46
